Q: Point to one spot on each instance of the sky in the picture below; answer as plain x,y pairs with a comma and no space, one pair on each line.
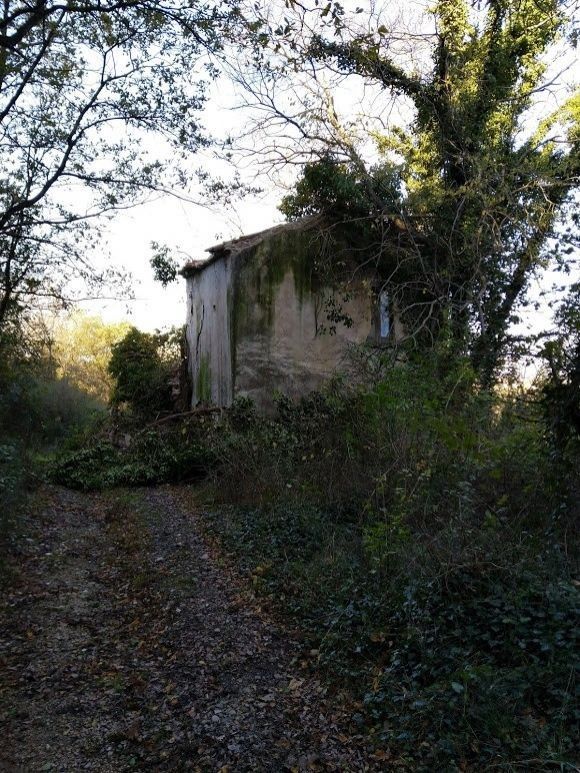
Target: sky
189,229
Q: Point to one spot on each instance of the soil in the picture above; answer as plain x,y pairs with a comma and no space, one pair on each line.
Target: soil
126,643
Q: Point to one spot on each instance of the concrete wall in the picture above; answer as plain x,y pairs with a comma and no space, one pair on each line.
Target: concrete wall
208,331
295,353
257,323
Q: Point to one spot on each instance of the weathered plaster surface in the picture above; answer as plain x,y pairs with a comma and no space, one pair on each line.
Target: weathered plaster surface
256,321
293,355
209,335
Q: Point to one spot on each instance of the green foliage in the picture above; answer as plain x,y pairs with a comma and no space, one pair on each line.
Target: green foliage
332,188
139,373
163,264
476,185
38,412
84,469
81,348
41,410
263,456
561,391
481,667
242,414
420,532
12,487
152,457
456,663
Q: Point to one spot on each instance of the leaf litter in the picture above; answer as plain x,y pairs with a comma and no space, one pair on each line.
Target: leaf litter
126,644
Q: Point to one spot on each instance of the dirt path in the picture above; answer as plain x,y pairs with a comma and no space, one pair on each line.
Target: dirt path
124,645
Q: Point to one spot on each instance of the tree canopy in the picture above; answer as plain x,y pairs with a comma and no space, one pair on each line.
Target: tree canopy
99,105
81,348
481,174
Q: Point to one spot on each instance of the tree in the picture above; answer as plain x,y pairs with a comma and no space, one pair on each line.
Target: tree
82,347
481,173
140,374
99,105
561,390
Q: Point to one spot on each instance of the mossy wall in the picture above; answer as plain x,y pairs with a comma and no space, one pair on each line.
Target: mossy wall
208,334
257,322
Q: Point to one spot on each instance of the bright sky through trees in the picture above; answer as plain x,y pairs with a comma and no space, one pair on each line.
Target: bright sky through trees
189,228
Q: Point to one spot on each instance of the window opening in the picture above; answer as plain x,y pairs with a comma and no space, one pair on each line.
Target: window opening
384,314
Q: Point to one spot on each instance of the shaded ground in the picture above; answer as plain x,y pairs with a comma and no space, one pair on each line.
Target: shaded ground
126,645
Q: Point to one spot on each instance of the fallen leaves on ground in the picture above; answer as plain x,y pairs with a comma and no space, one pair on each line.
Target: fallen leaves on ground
126,646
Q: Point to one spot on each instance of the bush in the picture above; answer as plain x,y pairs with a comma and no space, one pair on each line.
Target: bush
141,376
421,532
38,413
561,388
285,456
481,668
44,411
12,487
153,457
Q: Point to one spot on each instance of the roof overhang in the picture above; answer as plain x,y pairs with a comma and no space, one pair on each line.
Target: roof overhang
243,243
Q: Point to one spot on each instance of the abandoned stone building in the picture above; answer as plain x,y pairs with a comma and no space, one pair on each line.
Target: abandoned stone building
260,320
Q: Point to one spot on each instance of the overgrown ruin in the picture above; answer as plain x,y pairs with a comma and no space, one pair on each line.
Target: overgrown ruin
261,319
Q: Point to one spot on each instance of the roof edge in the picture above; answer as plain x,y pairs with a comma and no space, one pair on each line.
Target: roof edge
246,242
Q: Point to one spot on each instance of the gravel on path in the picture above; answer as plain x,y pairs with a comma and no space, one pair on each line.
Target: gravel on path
126,645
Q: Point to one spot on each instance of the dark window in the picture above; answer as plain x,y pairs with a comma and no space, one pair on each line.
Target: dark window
384,315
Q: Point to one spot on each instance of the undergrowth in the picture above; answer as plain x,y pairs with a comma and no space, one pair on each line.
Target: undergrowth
151,457
422,535
39,414
420,532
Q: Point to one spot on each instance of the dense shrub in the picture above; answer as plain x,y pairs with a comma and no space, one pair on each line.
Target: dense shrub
42,410
154,456
12,487
422,533
141,376
481,668
460,664
561,388
38,414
